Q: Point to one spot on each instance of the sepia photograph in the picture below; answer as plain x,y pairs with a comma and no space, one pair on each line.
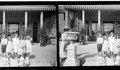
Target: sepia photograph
89,35
28,35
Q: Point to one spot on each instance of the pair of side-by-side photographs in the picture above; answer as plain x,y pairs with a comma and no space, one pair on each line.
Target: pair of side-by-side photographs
59,35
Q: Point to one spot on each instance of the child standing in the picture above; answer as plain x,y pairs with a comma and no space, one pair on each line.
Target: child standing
3,44
99,43
105,47
9,48
111,40
21,45
28,45
16,43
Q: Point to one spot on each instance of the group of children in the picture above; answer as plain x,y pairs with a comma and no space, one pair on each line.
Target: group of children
15,50
108,49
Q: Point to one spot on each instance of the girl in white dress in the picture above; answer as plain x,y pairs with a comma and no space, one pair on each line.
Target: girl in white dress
16,43
21,45
28,45
9,48
105,47
111,40
63,46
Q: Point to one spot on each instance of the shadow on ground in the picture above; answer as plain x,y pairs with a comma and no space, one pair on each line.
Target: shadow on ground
83,59
32,56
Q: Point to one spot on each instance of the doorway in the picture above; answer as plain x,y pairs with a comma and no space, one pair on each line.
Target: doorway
35,31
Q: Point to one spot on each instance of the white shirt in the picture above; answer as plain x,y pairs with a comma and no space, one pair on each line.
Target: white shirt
3,41
15,40
99,40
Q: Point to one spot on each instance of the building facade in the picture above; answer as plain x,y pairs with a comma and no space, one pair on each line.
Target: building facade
28,19
94,18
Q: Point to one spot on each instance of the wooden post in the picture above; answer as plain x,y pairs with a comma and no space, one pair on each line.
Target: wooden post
83,18
99,21
4,22
26,21
41,20
41,24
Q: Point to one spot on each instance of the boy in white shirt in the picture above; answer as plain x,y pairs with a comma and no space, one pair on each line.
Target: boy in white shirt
3,44
99,43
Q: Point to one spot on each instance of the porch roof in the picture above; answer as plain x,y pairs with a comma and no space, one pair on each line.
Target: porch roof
29,7
95,7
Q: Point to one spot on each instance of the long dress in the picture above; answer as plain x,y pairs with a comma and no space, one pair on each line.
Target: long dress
63,53
111,42
21,47
15,44
105,46
9,47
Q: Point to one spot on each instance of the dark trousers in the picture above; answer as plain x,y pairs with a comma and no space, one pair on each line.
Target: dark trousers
3,48
99,47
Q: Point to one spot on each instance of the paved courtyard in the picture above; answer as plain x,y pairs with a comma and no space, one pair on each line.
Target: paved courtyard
87,54
42,56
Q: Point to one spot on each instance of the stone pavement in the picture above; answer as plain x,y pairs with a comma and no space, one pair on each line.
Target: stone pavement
87,53
42,56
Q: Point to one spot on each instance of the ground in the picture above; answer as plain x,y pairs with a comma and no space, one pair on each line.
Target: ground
87,53
41,56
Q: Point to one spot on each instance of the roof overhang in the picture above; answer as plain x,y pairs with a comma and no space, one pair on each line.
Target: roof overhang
93,7
29,7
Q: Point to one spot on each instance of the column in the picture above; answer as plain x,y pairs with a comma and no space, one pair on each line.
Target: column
26,20
41,25
3,21
66,18
99,20
83,18
41,20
